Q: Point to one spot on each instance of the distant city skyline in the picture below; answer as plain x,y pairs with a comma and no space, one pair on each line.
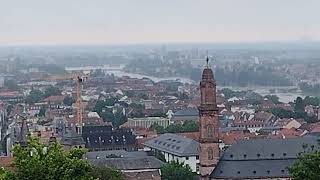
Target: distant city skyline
160,21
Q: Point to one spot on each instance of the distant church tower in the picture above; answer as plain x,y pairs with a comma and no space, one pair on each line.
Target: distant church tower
209,124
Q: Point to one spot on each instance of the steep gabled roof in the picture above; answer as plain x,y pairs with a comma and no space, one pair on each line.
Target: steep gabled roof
262,158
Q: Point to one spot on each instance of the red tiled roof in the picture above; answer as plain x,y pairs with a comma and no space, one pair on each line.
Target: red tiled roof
10,94
191,135
54,99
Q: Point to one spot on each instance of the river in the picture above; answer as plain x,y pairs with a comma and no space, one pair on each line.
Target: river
263,90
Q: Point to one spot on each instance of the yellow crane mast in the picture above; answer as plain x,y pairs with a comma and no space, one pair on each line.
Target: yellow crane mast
78,79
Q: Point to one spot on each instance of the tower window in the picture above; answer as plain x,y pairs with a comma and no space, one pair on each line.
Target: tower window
210,131
210,153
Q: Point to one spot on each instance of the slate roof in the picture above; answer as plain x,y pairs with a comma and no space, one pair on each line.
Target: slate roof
186,114
120,153
252,169
72,138
257,158
104,136
254,149
136,163
174,144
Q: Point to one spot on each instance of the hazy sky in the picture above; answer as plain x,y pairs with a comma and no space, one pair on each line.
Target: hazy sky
145,21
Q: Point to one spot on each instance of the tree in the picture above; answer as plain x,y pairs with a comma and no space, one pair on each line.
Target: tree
11,85
307,167
309,100
42,112
273,98
34,96
106,173
190,126
176,171
52,91
39,163
299,106
68,101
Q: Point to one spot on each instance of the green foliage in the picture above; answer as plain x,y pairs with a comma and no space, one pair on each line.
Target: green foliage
176,171
11,85
106,173
34,96
299,105
117,118
250,96
52,91
307,167
38,163
273,98
309,100
160,156
42,112
143,96
68,101
183,96
137,110
187,126
282,113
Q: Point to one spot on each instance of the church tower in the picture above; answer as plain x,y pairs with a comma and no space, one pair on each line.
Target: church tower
209,124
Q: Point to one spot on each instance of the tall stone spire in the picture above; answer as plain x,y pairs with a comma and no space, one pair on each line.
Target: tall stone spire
23,134
209,124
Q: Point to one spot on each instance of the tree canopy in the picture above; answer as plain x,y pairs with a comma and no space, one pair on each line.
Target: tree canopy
34,96
307,167
38,162
187,126
176,171
11,85
68,101
273,98
52,91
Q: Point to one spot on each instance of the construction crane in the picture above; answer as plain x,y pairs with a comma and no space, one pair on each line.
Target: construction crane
78,79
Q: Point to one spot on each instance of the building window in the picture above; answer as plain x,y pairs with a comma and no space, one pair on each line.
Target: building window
210,153
187,158
210,131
